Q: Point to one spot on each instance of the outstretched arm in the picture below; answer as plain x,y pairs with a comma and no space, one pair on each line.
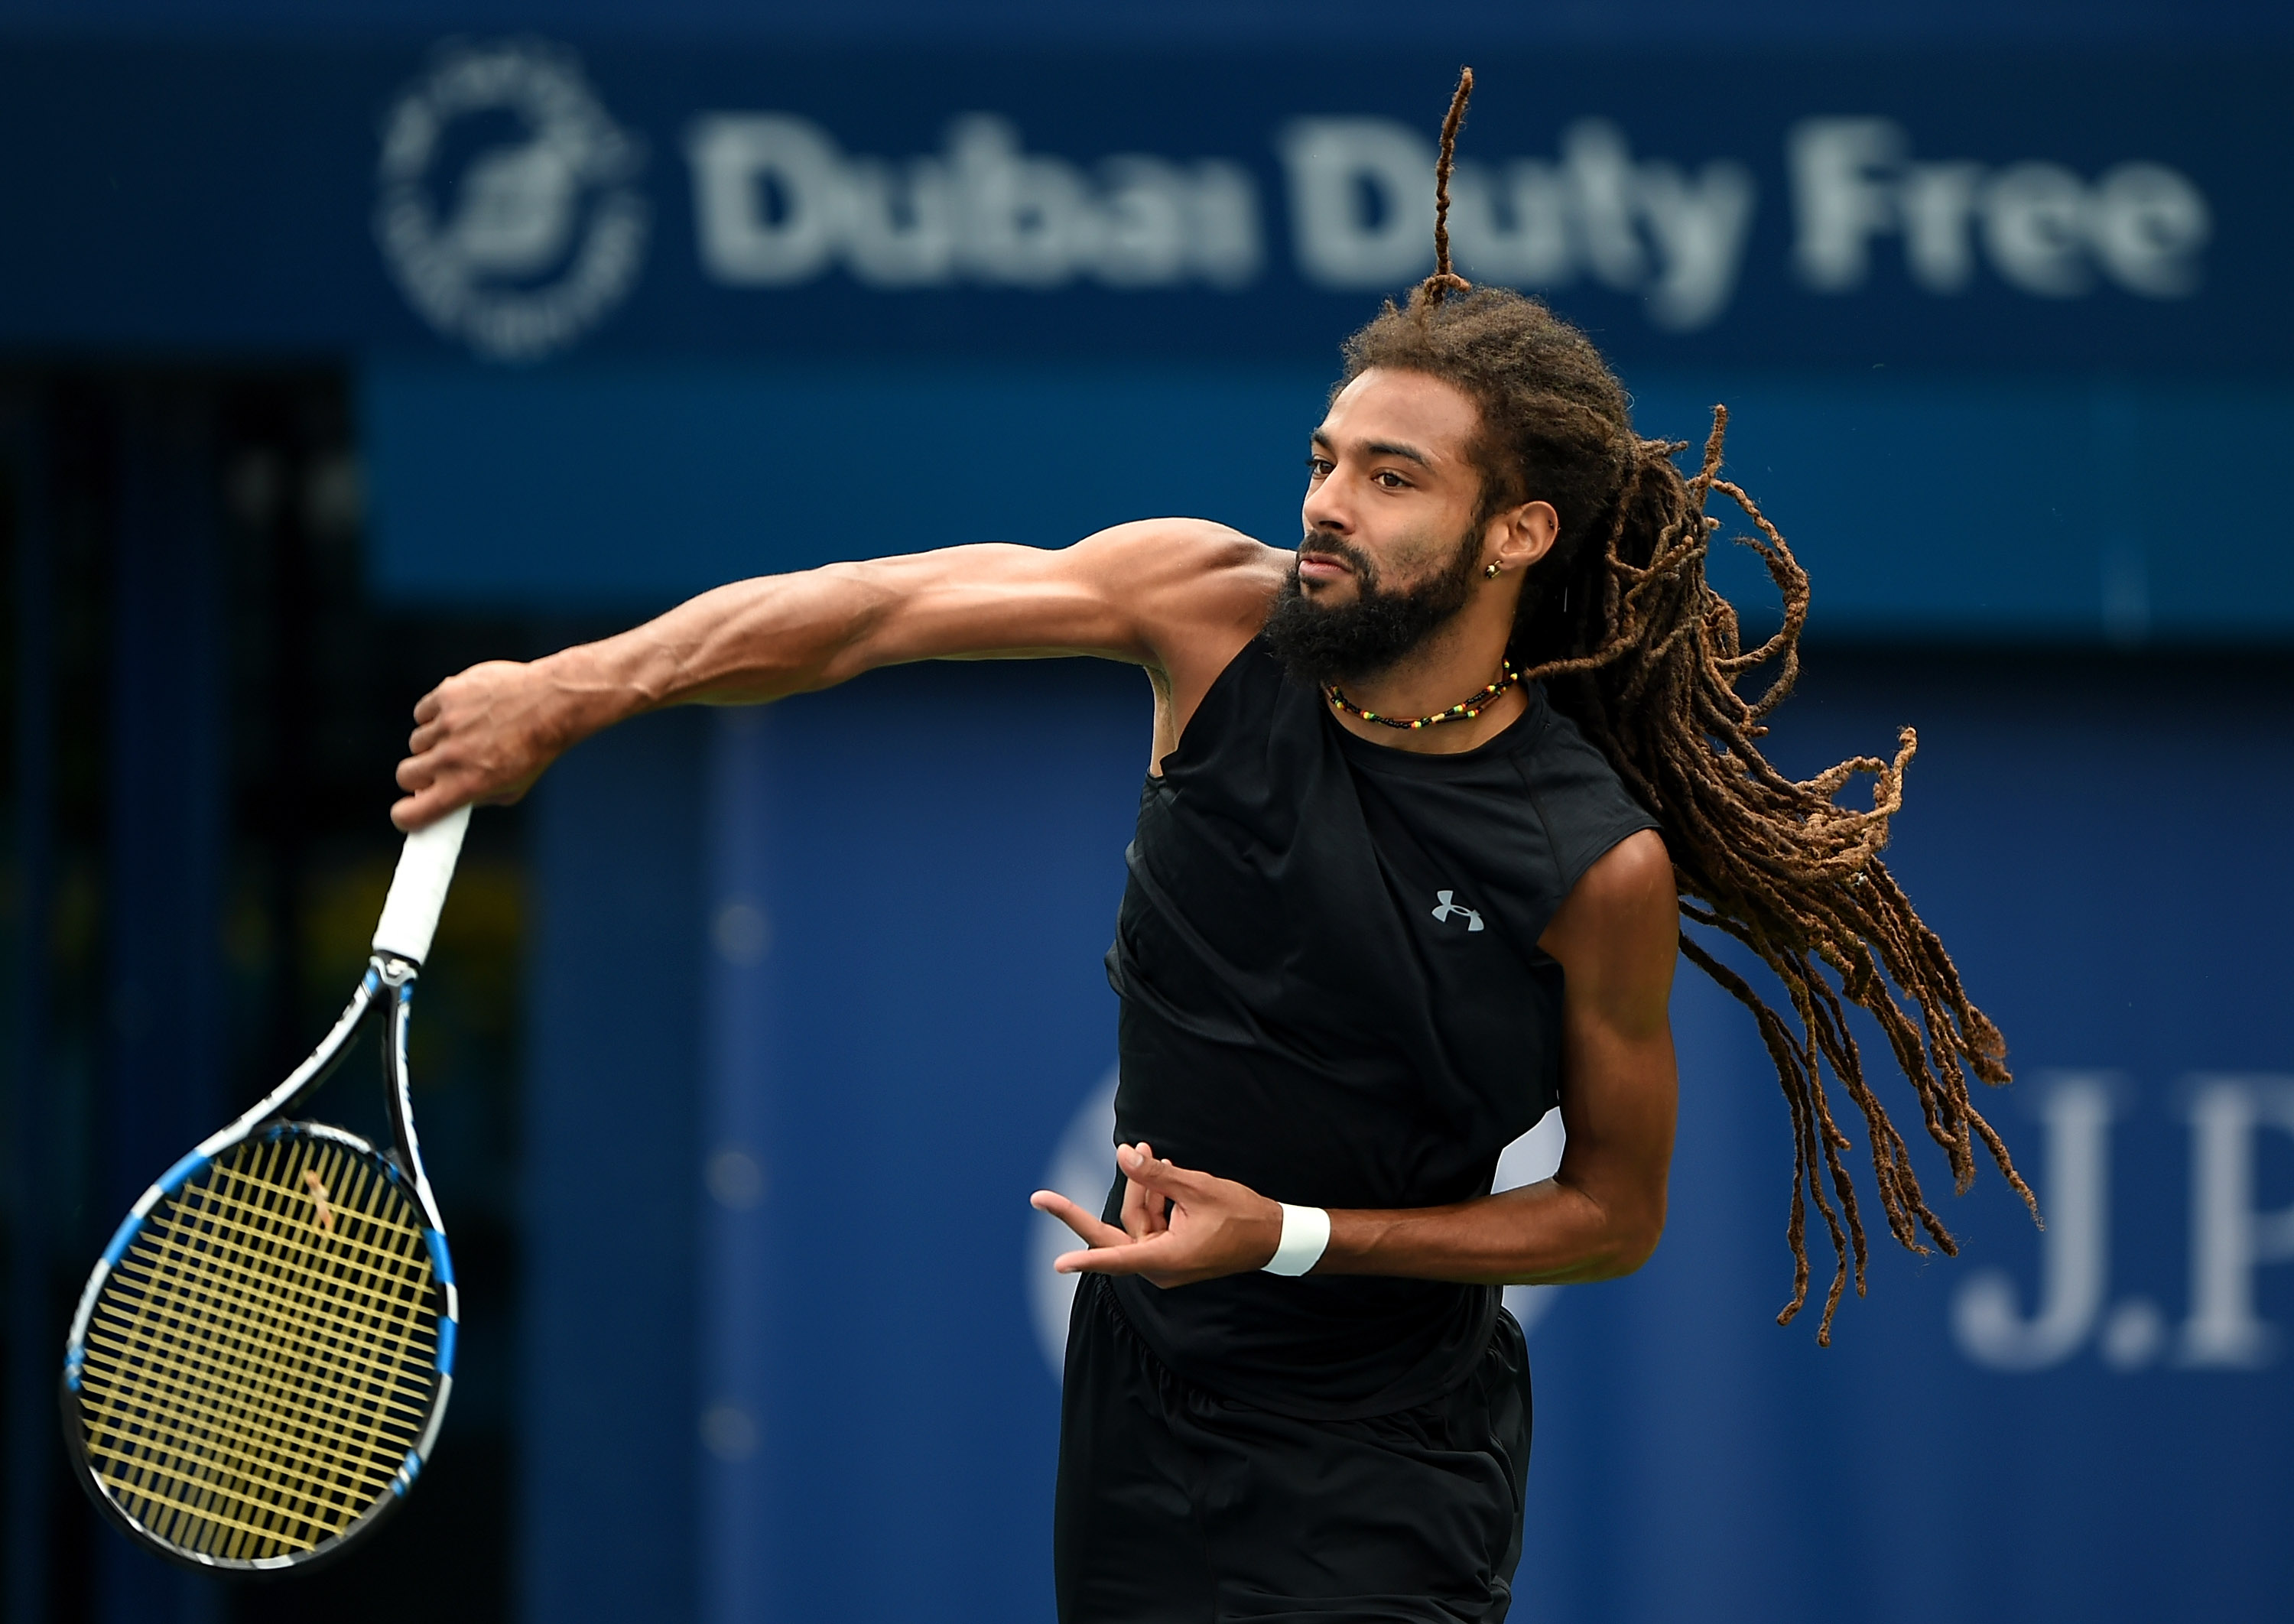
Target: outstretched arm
1598,1216
1178,596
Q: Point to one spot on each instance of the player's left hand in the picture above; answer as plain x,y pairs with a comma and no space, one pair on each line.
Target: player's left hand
1178,1226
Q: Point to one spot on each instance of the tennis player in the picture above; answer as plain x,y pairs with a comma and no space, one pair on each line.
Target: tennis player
1426,797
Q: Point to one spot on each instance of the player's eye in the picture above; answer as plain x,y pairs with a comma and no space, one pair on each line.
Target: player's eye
1391,480
1318,468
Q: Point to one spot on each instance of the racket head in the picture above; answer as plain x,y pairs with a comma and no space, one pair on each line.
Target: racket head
264,1354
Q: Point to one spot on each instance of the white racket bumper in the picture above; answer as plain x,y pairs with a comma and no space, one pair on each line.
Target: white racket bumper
418,891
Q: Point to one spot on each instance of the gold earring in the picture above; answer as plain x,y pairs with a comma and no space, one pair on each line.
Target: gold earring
1491,573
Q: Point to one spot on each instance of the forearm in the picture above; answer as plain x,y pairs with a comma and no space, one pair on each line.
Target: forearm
746,643
1546,1233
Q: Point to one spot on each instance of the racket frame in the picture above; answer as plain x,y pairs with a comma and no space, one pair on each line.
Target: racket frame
385,992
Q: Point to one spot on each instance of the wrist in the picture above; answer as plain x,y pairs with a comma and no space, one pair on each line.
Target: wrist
1305,1238
582,691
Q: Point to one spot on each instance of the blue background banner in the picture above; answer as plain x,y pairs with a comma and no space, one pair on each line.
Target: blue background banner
2004,332
907,886
517,199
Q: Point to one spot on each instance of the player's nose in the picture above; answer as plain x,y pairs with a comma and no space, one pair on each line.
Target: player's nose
1326,508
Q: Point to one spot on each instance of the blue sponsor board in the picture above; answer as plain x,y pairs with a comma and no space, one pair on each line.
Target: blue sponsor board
2004,331
517,200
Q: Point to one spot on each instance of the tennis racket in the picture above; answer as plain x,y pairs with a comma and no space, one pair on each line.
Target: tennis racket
262,1358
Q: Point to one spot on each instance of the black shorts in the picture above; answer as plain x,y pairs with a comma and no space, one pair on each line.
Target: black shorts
1177,1507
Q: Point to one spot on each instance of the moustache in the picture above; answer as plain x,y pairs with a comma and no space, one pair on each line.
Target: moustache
1330,545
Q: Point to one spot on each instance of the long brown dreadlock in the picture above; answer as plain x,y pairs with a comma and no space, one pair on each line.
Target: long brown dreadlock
1618,622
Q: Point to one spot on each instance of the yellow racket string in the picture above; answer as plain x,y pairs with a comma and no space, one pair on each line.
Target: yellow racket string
307,1441
175,1227
254,1379
361,1272
250,1331
273,1399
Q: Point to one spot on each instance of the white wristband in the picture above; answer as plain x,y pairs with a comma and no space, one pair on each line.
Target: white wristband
1305,1236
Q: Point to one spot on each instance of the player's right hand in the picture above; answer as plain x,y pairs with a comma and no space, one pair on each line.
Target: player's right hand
481,737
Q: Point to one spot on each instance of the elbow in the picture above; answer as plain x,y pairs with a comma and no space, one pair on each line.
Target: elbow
1635,1214
1630,1240
1637,1246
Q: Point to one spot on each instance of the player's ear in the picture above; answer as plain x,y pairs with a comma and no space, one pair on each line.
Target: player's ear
1525,533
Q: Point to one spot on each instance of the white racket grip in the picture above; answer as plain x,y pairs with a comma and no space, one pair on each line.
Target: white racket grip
418,891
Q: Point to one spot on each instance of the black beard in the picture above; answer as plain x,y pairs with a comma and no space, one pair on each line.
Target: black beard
1343,643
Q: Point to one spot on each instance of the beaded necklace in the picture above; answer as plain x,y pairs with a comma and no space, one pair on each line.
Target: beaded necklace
1465,710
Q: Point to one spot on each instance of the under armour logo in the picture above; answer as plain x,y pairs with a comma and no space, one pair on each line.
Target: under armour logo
1447,907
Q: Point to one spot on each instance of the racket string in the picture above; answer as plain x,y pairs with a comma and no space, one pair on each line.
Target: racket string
269,1376
330,1404
214,1428
237,1353
236,1395
266,1220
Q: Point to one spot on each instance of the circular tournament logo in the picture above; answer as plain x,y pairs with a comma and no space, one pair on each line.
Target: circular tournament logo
509,211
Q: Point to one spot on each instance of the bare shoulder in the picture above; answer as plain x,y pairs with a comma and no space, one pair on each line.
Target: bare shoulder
1199,590
1199,560
1618,931
1631,874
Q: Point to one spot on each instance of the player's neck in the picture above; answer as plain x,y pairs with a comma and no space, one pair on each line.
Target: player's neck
1428,680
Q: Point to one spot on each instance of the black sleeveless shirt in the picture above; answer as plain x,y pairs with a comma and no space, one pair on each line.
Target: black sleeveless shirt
1332,991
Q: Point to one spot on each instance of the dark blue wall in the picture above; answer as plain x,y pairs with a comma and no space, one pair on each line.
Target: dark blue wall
905,1024
614,1011
1924,504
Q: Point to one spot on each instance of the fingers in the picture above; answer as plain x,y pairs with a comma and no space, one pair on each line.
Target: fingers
1142,1165
434,796
1145,1213
1179,1226
1160,1260
475,741
1150,1256
1091,1229
414,812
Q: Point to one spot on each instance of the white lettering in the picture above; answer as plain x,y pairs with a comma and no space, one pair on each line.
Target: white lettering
2074,1252
1637,227
2034,216
1600,170
1361,207
1223,245
1513,230
899,222
1699,228
1146,244
1840,200
2229,1238
776,202
2148,224
2043,229
768,192
1939,204
1028,220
